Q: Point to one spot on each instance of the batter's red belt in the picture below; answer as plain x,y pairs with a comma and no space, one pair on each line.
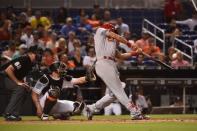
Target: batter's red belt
106,57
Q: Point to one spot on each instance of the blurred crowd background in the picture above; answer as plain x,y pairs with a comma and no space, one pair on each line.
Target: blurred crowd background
69,32
65,29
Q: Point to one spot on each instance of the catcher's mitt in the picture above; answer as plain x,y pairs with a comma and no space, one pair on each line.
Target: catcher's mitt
90,76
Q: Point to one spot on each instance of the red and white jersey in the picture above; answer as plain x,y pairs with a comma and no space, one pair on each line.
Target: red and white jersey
103,45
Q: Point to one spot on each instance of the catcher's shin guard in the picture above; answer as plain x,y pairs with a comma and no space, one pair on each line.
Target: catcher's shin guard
51,99
48,105
78,107
62,116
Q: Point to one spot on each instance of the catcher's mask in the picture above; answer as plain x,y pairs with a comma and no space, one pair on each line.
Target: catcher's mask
59,67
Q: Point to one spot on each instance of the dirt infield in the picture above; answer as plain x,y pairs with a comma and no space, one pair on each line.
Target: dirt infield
101,120
104,123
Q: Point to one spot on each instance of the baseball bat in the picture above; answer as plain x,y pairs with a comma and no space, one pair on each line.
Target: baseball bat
157,61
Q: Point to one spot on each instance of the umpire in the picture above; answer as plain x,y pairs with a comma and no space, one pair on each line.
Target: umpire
14,73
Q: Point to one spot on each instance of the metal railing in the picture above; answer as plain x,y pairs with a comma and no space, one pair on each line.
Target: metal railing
194,4
183,44
152,29
149,26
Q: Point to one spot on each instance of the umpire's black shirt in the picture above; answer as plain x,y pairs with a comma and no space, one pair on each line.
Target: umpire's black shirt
22,66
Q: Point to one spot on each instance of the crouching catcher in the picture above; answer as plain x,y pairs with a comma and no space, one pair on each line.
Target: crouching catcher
47,89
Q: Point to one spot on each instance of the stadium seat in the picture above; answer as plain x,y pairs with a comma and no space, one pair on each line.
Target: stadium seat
149,63
133,61
184,37
56,27
133,58
189,42
183,26
188,32
193,37
164,26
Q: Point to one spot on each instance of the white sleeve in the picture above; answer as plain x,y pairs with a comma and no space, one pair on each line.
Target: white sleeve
101,31
183,22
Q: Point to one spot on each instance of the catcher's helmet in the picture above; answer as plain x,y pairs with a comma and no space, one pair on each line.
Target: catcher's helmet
59,67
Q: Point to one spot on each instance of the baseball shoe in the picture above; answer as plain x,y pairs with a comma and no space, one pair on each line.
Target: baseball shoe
146,117
10,117
45,117
88,113
78,107
139,117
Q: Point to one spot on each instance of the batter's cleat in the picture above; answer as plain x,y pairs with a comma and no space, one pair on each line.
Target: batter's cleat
45,117
146,117
139,117
78,107
9,117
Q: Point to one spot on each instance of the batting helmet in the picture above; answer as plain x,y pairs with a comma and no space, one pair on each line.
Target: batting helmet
108,26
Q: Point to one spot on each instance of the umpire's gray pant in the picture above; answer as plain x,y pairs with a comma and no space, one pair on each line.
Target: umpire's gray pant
17,96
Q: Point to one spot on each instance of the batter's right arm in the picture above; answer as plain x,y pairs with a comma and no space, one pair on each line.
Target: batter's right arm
119,38
124,56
